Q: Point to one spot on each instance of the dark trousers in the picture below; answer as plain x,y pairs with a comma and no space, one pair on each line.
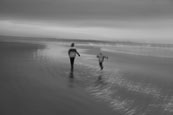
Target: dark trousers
72,63
101,65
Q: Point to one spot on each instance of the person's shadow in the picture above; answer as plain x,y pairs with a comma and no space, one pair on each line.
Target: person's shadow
100,76
71,75
99,80
71,80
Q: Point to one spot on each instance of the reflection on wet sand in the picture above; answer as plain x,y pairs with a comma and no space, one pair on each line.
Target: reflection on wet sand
71,80
99,77
71,75
123,93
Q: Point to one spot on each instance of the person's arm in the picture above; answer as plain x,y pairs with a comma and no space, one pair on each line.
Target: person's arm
77,53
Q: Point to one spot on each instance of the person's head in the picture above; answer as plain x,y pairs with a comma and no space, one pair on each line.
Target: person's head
100,53
72,44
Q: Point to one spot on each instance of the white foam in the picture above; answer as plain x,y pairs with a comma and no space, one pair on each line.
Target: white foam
140,50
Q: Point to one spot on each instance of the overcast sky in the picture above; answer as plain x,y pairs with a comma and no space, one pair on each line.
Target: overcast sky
143,20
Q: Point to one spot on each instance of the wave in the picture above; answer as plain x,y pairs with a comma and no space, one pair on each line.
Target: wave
140,50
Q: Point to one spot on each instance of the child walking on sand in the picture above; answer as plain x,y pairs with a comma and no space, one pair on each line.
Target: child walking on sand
72,54
101,58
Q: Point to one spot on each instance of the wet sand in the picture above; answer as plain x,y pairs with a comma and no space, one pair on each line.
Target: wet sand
136,84
35,79
29,86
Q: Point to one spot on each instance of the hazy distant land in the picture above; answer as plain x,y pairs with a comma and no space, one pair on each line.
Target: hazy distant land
133,43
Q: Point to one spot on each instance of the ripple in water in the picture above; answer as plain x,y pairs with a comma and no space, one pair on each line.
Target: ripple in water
127,96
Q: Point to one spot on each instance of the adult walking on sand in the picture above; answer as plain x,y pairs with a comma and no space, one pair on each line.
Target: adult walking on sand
72,54
101,58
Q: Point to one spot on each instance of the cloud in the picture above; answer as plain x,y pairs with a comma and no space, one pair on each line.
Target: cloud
86,9
88,19
85,32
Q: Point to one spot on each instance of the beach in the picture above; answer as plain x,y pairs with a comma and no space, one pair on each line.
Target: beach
32,86
35,79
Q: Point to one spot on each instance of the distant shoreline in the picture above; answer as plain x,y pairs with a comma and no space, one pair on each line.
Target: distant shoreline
131,43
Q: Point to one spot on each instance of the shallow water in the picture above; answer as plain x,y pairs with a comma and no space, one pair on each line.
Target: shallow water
130,84
35,80
127,92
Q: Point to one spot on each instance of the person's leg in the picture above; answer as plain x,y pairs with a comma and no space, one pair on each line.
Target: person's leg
101,65
72,63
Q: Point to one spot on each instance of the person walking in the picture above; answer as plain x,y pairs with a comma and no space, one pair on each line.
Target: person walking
101,58
72,54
